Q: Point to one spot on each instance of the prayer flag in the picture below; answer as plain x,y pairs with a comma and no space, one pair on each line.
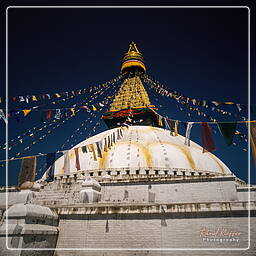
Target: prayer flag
27,170
21,98
98,149
239,107
50,164
91,146
57,95
216,103
26,111
66,162
48,114
108,141
188,131
93,108
166,124
159,121
176,128
84,149
208,143
227,130
171,125
253,138
114,137
105,145
57,114
86,108
34,98
77,159
73,111
2,115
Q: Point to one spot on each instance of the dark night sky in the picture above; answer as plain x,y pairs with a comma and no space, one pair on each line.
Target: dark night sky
202,53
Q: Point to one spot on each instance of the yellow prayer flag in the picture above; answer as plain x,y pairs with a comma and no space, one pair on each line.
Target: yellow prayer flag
92,149
93,107
57,95
34,98
176,128
73,111
26,111
253,138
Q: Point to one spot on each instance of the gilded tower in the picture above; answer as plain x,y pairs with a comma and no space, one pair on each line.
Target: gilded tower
131,104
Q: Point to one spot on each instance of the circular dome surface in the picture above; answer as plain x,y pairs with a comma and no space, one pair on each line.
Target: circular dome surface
143,147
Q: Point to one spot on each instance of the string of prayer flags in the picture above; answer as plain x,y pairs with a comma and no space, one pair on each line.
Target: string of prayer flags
27,170
188,131
77,159
185,100
50,163
208,143
28,98
227,130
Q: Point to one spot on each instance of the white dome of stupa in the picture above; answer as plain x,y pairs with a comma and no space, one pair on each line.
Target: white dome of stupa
144,147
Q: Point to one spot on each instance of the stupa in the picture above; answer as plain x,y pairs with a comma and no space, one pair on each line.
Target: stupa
137,191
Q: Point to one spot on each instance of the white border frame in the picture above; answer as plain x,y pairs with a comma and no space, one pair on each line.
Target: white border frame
131,249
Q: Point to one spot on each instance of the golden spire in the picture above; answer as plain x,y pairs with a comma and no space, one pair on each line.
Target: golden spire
132,100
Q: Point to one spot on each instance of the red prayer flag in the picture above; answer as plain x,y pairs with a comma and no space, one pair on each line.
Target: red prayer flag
86,108
48,114
208,143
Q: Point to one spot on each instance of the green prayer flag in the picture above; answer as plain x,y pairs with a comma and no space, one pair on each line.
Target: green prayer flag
227,130
84,149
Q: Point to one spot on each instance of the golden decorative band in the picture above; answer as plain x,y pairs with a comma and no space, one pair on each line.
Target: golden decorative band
133,63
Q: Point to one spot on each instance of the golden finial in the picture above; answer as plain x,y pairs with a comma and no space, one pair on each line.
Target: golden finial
133,48
133,60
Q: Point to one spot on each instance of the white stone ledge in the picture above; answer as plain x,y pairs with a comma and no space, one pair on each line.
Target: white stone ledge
203,207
